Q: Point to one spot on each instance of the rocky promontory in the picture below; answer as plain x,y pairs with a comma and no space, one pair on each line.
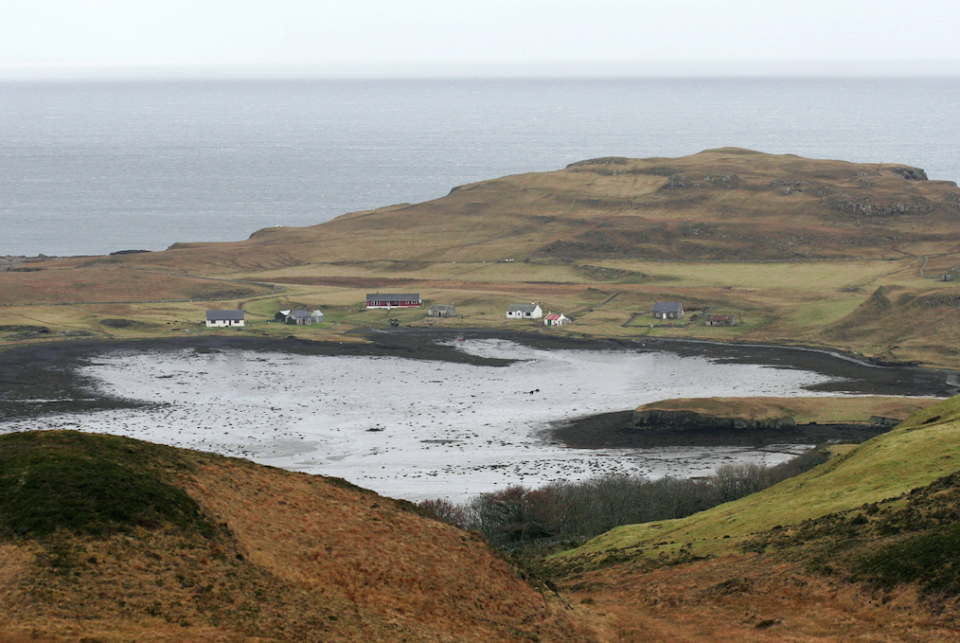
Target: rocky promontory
683,420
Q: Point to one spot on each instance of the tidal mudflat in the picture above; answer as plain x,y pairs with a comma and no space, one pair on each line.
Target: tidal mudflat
416,428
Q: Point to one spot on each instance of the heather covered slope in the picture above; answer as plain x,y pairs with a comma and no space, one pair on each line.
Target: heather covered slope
110,539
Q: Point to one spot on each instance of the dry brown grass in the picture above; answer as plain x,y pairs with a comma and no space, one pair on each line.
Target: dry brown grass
298,558
752,598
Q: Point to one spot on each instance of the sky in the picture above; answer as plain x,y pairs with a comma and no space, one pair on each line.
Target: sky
50,38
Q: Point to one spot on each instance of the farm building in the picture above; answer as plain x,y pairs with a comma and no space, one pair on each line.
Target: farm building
720,320
442,310
668,310
394,300
224,318
299,318
316,316
524,311
556,319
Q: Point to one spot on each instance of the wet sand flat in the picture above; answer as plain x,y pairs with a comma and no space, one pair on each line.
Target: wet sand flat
413,415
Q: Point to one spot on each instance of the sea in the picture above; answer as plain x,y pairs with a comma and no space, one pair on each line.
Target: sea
90,168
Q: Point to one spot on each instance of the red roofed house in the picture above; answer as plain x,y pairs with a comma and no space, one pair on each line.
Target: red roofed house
393,300
556,319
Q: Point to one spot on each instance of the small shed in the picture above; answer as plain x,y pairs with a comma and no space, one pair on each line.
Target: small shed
524,311
316,316
224,318
668,310
299,317
442,310
281,315
556,319
720,320
393,300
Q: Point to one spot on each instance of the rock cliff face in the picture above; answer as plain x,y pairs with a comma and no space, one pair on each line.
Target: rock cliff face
687,420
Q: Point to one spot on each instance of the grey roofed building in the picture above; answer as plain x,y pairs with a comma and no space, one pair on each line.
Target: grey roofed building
668,310
524,311
225,315
224,318
393,300
300,317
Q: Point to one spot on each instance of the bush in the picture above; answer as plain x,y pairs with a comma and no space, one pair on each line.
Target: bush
519,518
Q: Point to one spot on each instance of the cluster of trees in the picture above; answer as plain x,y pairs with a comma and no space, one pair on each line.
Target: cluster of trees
518,518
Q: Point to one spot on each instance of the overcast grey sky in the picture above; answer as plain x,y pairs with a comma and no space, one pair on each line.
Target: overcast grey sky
478,37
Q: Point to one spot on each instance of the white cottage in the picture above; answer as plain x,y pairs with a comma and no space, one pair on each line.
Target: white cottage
224,318
556,319
524,311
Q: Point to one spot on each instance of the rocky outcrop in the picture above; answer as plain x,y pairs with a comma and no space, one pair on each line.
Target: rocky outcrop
910,173
689,420
721,180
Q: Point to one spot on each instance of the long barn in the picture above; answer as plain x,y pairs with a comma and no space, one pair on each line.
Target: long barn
394,300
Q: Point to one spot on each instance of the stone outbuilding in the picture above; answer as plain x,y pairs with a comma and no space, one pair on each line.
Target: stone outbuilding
720,320
442,310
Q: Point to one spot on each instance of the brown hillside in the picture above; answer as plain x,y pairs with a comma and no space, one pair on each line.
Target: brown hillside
293,558
724,203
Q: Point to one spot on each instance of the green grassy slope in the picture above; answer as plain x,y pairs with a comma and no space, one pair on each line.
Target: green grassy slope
922,449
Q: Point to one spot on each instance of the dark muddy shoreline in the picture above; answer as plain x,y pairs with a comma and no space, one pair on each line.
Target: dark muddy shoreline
42,379
617,431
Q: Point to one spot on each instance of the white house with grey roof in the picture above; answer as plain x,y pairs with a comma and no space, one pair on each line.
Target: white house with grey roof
524,311
224,318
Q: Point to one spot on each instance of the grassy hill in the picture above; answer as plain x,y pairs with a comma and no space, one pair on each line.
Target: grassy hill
922,449
863,547
110,539
805,251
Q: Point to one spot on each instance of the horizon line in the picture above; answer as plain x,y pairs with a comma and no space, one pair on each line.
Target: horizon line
611,70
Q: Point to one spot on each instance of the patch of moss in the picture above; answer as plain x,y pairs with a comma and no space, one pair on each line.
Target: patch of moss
53,481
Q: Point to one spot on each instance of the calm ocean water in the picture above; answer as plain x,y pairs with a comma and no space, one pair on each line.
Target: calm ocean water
91,168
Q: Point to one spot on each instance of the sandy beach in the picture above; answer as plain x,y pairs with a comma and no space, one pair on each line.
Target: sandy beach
416,428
